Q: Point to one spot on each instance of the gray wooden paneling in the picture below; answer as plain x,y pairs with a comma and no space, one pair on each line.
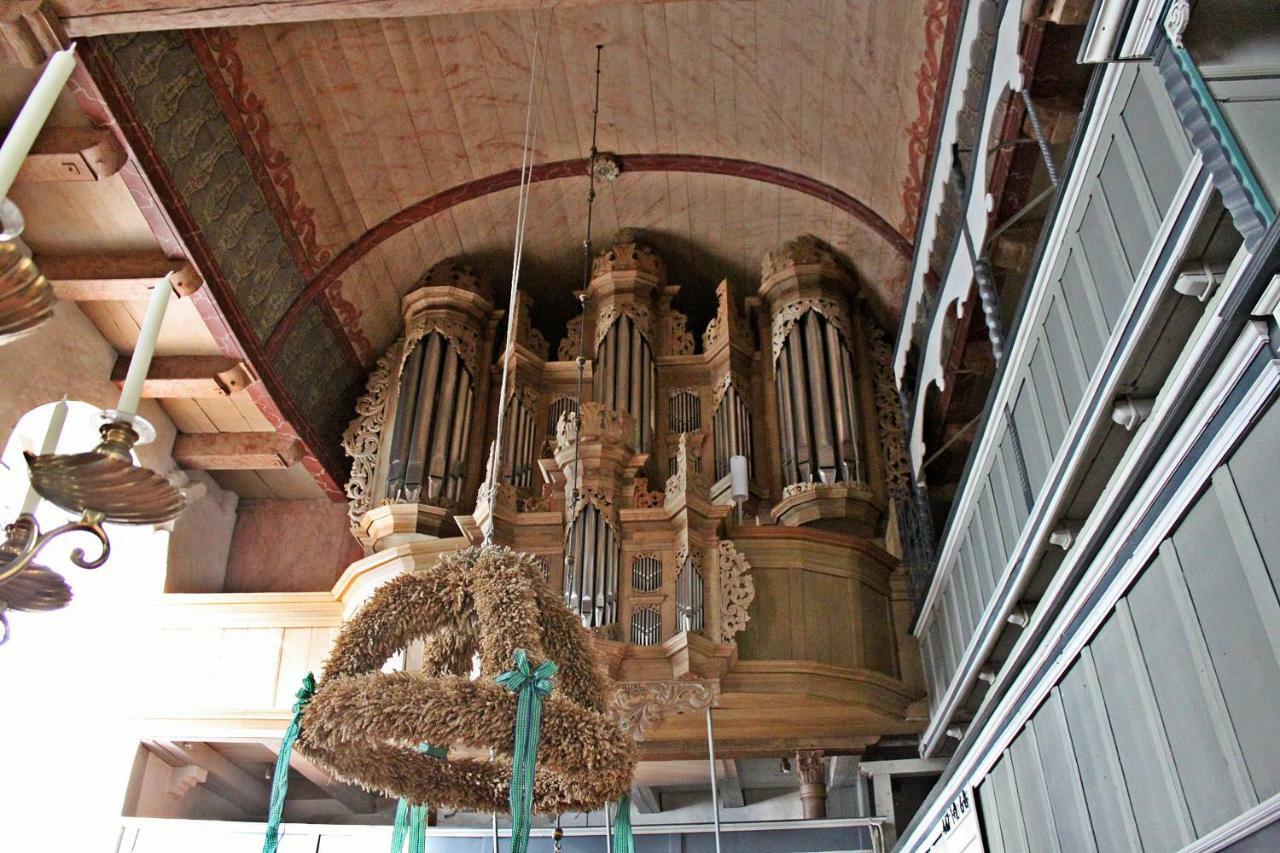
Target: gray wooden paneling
1033,796
990,819
1097,760
1062,777
1166,726
1189,703
1109,234
1007,806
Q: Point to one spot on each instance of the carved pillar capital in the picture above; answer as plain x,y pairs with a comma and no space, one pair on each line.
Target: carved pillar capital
811,767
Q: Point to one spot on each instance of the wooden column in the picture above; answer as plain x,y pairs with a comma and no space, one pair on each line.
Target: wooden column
812,769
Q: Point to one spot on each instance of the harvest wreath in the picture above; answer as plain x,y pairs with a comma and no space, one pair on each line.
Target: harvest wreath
365,725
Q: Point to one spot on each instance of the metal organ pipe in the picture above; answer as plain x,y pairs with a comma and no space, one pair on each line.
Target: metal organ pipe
520,456
591,582
817,405
731,431
689,596
624,378
432,425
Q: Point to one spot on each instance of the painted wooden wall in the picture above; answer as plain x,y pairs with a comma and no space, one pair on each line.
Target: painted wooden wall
1165,727
1132,180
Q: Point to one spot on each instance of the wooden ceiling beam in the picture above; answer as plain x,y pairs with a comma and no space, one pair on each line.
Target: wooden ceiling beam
227,779
116,277
188,376
236,451
72,154
646,799
29,32
103,17
349,797
730,785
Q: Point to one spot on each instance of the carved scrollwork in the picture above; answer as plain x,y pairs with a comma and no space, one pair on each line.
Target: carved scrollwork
639,314
687,475
571,343
544,502
603,504
527,335
629,255
599,423
459,334
786,317
893,433
805,250
643,497
799,488
363,436
641,706
454,273
737,590
680,338
721,388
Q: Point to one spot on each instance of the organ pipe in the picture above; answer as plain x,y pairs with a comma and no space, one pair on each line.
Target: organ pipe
731,431
520,456
689,598
624,377
817,405
432,425
591,580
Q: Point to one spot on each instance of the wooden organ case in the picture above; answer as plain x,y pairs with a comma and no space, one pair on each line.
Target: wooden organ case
791,616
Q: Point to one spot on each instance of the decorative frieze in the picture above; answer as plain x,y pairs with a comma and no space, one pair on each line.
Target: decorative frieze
363,437
640,707
679,338
629,255
737,590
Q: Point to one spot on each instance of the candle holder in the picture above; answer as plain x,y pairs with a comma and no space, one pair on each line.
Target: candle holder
26,297
27,585
105,481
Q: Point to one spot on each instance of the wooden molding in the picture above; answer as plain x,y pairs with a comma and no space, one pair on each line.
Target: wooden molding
29,33
188,376
236,451
72,154
118,277
103,17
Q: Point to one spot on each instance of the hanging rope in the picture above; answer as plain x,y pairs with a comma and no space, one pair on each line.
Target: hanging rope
530,685
622,840
522,212
280,780
569,558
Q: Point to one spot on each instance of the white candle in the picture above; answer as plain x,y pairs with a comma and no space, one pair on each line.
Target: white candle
57,418
140,363
33,115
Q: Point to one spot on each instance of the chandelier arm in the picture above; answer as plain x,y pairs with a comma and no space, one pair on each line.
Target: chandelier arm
32,542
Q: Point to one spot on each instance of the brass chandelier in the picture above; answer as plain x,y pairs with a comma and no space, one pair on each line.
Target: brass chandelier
103,484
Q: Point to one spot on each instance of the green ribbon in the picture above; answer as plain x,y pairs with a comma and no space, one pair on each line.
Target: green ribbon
530,685
411,820
280,781
622,840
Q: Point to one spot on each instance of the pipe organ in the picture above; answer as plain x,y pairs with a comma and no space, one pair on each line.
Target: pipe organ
624,497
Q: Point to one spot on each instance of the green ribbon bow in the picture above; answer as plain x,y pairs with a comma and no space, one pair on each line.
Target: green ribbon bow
622,840
280,781
530,685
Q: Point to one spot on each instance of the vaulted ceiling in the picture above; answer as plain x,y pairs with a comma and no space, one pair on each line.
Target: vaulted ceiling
770,119
314,160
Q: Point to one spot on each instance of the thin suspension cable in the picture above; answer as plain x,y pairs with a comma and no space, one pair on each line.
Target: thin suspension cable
569,558
522,210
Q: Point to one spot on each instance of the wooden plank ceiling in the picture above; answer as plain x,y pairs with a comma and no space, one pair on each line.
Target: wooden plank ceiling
358,120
